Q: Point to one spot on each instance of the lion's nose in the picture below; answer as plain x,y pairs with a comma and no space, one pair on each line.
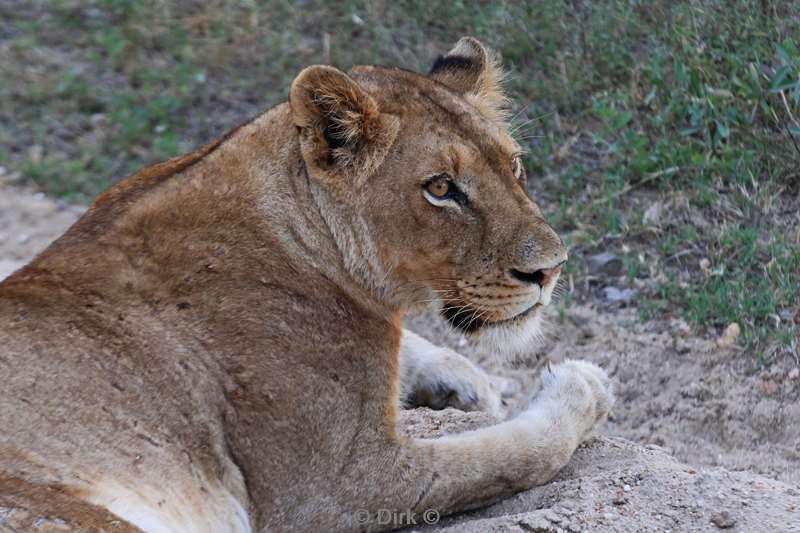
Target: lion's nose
541,277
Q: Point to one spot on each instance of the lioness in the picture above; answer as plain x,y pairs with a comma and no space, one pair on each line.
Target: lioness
216,345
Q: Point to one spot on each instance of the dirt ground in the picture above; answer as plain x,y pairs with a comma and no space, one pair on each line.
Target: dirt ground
687,400
612,484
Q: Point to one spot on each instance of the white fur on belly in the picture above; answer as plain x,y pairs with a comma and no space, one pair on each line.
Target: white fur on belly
170,509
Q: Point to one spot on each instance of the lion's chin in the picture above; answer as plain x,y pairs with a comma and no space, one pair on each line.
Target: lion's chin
513,337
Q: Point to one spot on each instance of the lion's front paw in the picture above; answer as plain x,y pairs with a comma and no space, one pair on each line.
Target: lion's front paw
582,387
450,380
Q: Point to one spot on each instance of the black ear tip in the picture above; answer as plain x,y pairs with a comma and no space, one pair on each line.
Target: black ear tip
453,62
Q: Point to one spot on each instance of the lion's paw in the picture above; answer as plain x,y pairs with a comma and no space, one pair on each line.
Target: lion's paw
582,387
451,380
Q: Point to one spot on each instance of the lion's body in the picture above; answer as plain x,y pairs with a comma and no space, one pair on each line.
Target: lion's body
160,342
200,351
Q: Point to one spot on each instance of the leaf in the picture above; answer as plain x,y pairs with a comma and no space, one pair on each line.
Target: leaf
696,84
754,73
778,79
722,93
785,85
722,130
784,55
650,96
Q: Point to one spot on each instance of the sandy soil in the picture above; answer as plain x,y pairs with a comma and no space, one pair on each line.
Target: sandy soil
686,399
612,484
706,404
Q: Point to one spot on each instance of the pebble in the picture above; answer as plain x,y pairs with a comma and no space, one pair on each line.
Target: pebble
619,498
652,216
729,336
794,373
681,347
680,326
723,520
535,522
615,295
769,387
606,264
551,515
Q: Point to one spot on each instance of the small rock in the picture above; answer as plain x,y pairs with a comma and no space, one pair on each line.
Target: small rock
606,264
729,336
578,320
22,239
681,346
652,217
619,498
551,515
98,120
769,387
358,21
793,373
626,487
680,326
36,154
787,315
615,295
564,511
588,331
723,520
535,522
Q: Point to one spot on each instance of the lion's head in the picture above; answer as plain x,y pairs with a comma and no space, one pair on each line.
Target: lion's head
425,192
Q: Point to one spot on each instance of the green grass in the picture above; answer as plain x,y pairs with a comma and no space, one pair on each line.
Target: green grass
624,105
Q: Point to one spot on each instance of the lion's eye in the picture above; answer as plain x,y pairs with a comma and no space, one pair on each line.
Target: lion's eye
440,187
516,167
441,191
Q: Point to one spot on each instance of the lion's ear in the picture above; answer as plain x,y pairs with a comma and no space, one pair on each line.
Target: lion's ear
335,112
473,71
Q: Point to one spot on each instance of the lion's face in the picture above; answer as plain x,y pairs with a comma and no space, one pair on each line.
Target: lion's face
461,224
444,199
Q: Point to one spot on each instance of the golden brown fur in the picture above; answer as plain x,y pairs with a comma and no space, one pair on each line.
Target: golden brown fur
214,345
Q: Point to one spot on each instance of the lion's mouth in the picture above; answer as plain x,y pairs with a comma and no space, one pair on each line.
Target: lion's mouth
468,320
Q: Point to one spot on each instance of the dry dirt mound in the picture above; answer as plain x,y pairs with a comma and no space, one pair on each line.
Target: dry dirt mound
612,484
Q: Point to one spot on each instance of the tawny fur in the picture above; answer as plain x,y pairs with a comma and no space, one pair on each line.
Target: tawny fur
214,345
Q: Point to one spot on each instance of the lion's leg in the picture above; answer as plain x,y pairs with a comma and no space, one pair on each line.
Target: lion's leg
472,469
437,377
